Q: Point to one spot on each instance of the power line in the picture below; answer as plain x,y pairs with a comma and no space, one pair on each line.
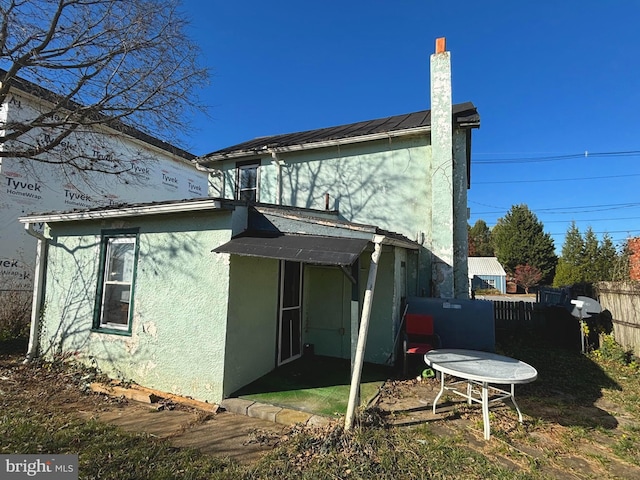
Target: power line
555,211
559,179
555,158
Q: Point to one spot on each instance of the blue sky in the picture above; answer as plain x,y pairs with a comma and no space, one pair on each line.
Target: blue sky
556,83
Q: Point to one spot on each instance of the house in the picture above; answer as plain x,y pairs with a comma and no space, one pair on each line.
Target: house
307,238
487,273
154,170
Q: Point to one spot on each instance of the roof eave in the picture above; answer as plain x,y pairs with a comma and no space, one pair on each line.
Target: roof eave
130,211
207,159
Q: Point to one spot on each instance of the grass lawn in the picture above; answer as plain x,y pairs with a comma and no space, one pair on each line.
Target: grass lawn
582,420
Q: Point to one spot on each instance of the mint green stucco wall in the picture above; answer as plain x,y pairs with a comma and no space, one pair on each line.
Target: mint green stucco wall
327,308
381,327
327,311
177,342
383,183
388,183
253,320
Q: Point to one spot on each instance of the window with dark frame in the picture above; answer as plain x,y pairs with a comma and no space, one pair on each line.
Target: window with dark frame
247,181
118,257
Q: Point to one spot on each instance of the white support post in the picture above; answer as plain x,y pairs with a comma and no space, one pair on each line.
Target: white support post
362,334
36,312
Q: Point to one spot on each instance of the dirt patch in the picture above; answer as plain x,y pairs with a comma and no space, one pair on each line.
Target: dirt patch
555,446
579,441
60,390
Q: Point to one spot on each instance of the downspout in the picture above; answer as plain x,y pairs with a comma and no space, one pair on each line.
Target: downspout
38,293
362,334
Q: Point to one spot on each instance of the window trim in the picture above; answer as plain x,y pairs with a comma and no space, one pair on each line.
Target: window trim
106,236
246,165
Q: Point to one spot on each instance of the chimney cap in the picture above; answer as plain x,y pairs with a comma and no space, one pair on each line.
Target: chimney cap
441,45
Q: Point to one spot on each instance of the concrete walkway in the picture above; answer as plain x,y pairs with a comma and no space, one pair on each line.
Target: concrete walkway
242,431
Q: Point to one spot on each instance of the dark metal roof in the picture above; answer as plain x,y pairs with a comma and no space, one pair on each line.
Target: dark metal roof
464,115
299,248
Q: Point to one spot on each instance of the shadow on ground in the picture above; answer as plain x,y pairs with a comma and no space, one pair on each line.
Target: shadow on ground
315,384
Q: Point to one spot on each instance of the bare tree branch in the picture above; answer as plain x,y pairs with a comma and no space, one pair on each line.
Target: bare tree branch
123,64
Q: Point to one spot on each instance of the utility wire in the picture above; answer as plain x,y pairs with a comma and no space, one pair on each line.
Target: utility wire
559,179
555,158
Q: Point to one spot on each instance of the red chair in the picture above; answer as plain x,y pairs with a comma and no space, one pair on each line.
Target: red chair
419,336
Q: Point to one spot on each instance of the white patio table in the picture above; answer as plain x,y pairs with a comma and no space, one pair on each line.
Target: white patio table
482,369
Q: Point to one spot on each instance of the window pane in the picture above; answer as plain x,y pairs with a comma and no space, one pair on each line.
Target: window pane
120,258
295,332
248,177
247,187
116,304
291,290
247,195
285,335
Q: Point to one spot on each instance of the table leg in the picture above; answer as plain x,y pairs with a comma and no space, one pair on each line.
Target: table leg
513,399
485,410
435,401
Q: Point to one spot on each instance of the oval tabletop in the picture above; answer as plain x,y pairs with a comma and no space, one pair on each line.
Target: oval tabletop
481,366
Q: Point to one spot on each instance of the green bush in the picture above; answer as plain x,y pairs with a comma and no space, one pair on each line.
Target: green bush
612,351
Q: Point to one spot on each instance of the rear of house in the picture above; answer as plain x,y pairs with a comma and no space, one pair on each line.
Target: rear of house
200,297
149,293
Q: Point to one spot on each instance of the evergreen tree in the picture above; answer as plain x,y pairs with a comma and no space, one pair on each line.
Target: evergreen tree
584,259
607,257
519,239
480,240
570,264
590,258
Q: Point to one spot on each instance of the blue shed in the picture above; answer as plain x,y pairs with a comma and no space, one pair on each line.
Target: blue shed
486,273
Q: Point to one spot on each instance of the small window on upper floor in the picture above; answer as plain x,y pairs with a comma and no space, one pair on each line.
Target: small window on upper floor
247,179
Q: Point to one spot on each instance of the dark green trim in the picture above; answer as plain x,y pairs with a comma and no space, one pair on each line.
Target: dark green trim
97,308
113,331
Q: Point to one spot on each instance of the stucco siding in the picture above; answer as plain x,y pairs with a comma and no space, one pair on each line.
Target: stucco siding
326,311
253,316
460,215
177,340
381,328
382,183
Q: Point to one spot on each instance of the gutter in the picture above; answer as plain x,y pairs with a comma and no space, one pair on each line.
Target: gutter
195,205
38,292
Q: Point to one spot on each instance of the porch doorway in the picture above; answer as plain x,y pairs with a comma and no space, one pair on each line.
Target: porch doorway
290,314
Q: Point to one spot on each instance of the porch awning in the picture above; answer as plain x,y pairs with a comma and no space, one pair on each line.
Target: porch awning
299,248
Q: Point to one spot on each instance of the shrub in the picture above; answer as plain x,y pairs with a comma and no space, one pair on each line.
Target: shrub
15,313
613,351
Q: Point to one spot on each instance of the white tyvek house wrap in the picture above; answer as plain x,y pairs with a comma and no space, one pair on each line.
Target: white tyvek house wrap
28,186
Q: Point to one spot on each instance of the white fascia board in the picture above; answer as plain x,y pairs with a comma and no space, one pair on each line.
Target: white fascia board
131,211
396,242
310,146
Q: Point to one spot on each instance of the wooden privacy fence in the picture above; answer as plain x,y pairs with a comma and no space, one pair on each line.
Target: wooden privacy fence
514,316
622,300
551,323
